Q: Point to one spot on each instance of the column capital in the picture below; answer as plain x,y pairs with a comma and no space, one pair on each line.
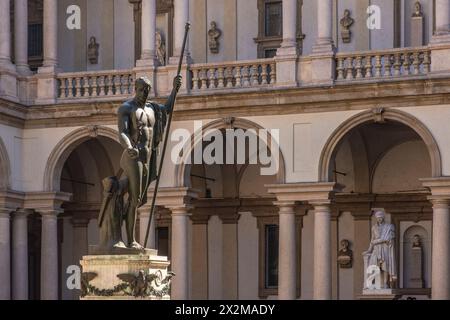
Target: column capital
22,213
180,211
439,202
198,219
285,207
230,218
6,213
305,191
80,222
49,213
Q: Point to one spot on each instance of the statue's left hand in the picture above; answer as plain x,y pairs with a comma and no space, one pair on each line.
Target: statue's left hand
177,83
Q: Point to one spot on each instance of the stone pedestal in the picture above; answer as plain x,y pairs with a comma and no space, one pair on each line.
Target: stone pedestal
417,27
381,294
141,276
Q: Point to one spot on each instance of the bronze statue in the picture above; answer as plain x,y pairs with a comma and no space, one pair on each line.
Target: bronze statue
141,126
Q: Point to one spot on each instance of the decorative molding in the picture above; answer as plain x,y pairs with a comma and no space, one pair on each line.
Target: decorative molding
66,146
367,116
5,167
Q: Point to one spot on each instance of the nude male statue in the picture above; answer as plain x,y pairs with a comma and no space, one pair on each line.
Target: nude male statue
141,128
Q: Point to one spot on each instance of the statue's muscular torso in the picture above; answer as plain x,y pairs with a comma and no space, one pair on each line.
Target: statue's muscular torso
138,125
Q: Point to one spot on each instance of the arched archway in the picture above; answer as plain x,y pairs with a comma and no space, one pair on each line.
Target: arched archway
66,146
182,169
372,116
5,167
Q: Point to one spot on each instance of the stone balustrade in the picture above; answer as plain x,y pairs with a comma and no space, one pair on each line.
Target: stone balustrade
79,85
390,63
235,74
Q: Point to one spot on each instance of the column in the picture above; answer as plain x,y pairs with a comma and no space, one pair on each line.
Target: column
322,250
21,36
80,238
50,33
289,23
287,257
20,255
148,34
230,256
324,20
144,215
199,271
5,33
442,17
361,229
440,260
180,218
181,16
49,255
5,253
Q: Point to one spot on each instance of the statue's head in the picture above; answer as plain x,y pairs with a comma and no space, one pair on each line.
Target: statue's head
416,240
92,40
379,215
418,6
346,13
213,25
345,244
143,88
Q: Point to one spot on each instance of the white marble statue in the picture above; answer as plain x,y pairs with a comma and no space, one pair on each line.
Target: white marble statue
380,257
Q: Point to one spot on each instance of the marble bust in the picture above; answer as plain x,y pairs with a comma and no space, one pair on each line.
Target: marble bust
346,22
345,255
93,50
417,10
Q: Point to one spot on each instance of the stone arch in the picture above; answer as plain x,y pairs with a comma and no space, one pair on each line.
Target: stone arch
371,116
5,167
182,170
65,147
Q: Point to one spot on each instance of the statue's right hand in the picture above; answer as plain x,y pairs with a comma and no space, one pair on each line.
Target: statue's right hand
133,153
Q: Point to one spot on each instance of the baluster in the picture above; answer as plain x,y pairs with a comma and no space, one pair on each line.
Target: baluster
131,84
426,62
378,66
110,85
407,63
246,76
196,79
340,68
254,75
397,64
238,77
359,67
83,86
63,87
101,86
350,69
273,73
387,65
203,79
229,77
416,62
220,78
368,67
78,87
264,73
212,78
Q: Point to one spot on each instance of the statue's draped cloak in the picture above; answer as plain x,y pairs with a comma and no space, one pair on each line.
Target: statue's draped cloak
383,254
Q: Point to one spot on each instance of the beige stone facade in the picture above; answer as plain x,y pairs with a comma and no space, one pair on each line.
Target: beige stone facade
360,126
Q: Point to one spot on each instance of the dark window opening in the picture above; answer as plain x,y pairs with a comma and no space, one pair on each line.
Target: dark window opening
271,258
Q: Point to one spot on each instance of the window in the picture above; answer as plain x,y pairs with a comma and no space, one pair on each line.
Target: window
162,241
268,229
271,256
270,27
35,38
273,19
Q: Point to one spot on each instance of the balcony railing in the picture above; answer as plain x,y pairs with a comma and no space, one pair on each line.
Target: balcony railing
385,64
90,85
228,75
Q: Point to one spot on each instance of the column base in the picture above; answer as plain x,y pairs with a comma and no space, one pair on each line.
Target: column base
286,62
141,276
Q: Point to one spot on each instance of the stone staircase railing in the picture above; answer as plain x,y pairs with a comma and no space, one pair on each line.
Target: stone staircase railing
390,63
235,74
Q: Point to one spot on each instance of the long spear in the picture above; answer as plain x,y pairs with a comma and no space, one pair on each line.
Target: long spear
186,31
